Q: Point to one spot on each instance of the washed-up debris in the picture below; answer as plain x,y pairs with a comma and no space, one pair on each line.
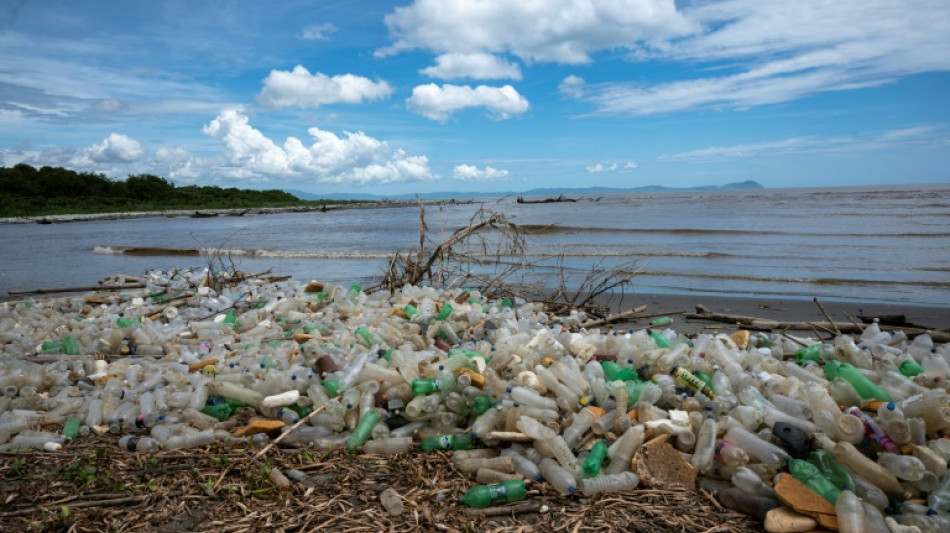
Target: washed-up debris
514,393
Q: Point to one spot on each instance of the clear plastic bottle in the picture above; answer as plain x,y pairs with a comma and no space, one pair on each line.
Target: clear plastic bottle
139,444
610,483
850,513
562,480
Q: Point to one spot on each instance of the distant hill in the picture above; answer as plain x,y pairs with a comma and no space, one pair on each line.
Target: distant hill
585,191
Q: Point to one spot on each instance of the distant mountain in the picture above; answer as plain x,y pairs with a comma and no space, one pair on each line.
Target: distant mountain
554,191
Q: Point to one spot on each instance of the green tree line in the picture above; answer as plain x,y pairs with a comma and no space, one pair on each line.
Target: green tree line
28,191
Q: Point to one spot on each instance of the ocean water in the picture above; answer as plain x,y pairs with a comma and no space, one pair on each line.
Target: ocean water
883,244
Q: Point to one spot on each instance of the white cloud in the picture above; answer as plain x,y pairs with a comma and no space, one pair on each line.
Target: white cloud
572,86
612,167
564,31
805,145
778,52
299,88
471,172
476,66
438,103
354,158
599,167
114,148
318,32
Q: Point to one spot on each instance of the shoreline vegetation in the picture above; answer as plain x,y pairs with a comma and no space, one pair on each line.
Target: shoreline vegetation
54,194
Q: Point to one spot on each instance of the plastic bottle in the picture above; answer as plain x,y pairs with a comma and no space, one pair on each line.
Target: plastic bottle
906,467
849,456
816,352
595,458
692,382
748,481
139,444
447,442
859,381
562,480
831,469
809,474
71,428
850,513
705,450
939,499
763,451
523,465
610,483
363,430
482,496
388,445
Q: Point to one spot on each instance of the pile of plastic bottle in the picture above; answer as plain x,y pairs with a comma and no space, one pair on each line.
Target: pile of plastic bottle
518,394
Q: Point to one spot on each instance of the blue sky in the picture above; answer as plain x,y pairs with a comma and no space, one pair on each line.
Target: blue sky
430,95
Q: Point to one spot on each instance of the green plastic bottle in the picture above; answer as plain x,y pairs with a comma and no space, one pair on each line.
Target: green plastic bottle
864,387
444,383
615,372
661,321
595,458
633,392
447,442
51,347
660,340
355,290
230,318
364,336
808,474
506,303
910,368
816,352
70,347
125,323
363,430
410,311
332,387
706,378
445,313
481,404
512,490
831,469
71,428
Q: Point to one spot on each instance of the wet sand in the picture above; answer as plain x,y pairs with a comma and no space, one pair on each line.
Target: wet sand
786,310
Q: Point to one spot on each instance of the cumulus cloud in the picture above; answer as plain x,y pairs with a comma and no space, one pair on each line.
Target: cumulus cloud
471,172
115,148
318,32
300,88
476,66
353,158
572,86
438,103
564,31
778,53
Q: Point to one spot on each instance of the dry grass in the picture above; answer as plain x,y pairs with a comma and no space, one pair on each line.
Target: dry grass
94,486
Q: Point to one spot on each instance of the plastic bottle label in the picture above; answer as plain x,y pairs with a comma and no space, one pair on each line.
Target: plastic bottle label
497,493
140,422
132,443
445,442
693,383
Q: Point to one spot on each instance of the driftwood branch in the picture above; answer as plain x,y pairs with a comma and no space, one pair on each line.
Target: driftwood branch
617,317
702,313
80,289
506,510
